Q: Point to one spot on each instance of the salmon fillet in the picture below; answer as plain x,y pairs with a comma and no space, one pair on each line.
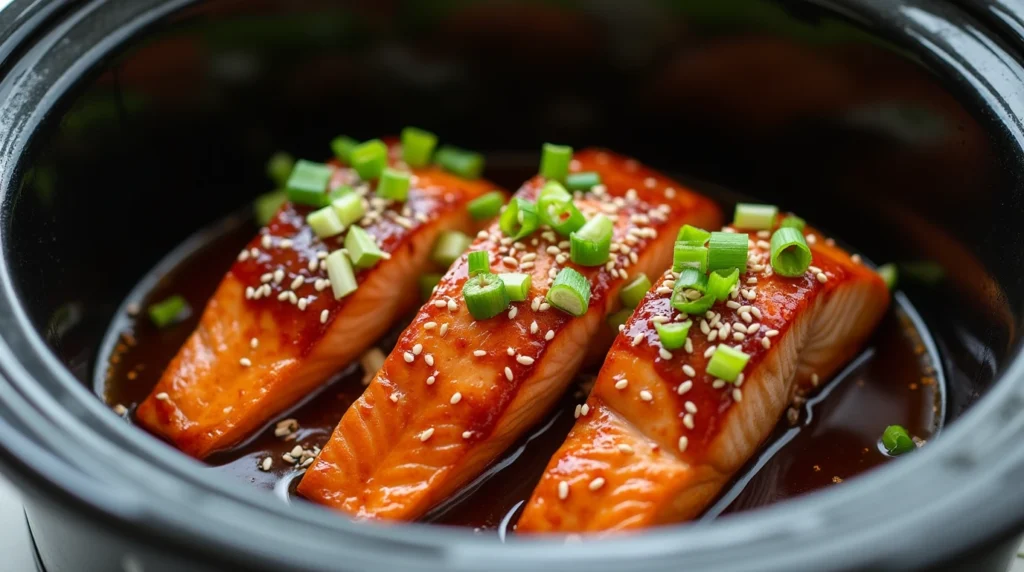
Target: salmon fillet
456,392
273,330
659,437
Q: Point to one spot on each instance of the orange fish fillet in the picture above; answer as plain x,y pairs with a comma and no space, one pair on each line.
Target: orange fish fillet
659,437
273,330
456,392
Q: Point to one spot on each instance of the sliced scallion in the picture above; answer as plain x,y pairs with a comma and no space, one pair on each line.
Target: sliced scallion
727,362
751,216
554,161
265,206
325,222
582,181
279,167
897,441
673,334
342,147
889,274
393,185
633,293
687,255
727,250
427,284
464,163
793,221
369,159
692,279
417,147
485,296
556,209
307,184
486,206
517,285
790,255
349,208
570,292
519,219
590,245
619,318
722,281
691,306
362,248
479,262
169,311
693,235
449,247
341,275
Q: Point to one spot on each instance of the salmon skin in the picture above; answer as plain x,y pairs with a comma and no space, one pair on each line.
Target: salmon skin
456,392
658,437
273,330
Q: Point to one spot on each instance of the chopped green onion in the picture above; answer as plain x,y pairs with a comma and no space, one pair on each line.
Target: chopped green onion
466,164
897,441
325,222
307,185
517,285
633,293
342,147
582,181
793,221
727,250
692,279
556,209
721,282
349,208
519,219
755,217
619,318
428,282
486,206
341,275
790,254
449,247
485,296
687,255
570,292
393,185
693,235
417,147
362,248
554,161
279,166
479,262
369,159
687,306
673,334
591,244
169,311
727,362
889,274
266,206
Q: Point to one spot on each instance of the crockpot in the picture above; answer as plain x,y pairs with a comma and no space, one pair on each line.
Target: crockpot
125,126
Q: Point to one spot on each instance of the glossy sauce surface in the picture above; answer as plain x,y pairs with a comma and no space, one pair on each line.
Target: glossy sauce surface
892,381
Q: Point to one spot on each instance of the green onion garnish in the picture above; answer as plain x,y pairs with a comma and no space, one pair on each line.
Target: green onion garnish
722,281
393,185
687,255
169,311
417,147
556,209
341,275
486,206
673,334
266,206
582,181
427,284
449,247
570,292
362,248
727,362
479,262
793,221
689,305
619,318
590,244
466,164
692,279
889,274
517,285
554,161
279,167
342,147
633,293
693,235
485,296
307,185
897,441
349,208
369,159
790,254
519,219
727,250
325,222
755,217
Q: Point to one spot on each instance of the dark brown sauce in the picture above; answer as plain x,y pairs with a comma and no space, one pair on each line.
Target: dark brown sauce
892,381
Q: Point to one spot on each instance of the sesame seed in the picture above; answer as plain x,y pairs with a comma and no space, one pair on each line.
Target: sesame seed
513,312
278,276
576,412
544,306
771,333
550,335
534,327
479,353
452,305
713,336
624,448
282,296
426,434
737,395
303,303
746,317
710,351
444,330
296,451
688,420
323,316
660,319
766,343
266,277
689,346
563,490
688,370
430,380
254,252
297,282
755,312
440,303
408,357
690,407
822,278
245,362
718,384
814,379
265,241
738,336
684,442
510,261
622,384
535,305
313,263
584,409
684,387
525,360
467,434
646,395
508,373
637,339
429,325
511,351
596,483
665,354
456,397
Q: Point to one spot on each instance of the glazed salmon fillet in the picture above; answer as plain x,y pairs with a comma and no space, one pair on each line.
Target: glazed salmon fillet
274,331
456,391
659,437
